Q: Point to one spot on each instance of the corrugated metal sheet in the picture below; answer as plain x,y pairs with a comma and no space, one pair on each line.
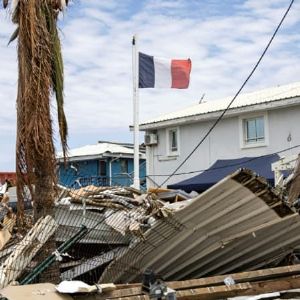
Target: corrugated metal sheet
243,100
237,214
70,222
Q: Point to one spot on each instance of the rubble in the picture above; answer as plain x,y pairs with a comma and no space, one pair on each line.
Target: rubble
239,224
272,283
280,283
23,253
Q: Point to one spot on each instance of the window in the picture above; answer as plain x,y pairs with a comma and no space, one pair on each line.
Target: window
254,131
172,141
124,165
102,167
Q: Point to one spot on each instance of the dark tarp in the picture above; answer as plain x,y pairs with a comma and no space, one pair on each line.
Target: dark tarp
224,167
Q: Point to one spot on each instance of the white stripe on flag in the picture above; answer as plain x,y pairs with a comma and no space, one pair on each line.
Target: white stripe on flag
162,70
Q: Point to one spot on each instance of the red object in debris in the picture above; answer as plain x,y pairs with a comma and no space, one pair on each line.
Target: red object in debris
11,176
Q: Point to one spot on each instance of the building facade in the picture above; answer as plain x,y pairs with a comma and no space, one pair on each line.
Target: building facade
102,164
256,124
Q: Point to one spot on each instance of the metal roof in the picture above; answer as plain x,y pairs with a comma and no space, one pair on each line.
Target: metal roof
265,96
99,149
237,224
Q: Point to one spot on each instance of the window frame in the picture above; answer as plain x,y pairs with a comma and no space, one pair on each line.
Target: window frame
243,131
102,162
169,151
124,163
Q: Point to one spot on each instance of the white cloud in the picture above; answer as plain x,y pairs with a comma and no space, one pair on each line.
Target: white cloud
224,42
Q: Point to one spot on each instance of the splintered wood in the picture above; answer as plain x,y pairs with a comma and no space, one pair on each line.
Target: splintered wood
26,249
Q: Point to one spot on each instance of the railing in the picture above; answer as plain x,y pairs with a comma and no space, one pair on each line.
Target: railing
93,180
118,180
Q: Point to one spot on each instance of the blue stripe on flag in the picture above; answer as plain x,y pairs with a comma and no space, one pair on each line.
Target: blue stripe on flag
146,71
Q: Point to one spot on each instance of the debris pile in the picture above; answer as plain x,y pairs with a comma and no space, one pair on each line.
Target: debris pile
273,283
112,217
114,233
126,210
270,284
238,224
7,217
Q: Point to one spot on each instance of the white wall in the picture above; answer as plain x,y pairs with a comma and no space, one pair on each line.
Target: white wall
222,143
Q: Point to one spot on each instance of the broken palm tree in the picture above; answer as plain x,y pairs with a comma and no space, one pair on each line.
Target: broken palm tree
40,69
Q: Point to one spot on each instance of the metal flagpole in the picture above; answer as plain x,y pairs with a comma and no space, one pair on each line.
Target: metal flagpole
135,73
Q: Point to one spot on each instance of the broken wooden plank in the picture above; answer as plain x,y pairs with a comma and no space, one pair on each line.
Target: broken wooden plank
223,291
124,290
5,236
250,276
240,289
26,249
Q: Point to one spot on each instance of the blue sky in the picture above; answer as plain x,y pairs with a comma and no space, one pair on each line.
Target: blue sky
223,38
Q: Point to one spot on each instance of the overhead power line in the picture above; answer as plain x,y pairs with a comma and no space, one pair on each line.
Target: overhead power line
233,99
225,166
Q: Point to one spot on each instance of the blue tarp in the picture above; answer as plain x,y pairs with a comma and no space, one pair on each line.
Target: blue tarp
224,167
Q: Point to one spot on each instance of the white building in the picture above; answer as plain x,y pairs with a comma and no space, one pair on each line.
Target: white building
257,123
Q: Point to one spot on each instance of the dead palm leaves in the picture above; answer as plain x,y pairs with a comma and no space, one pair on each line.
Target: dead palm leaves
40,76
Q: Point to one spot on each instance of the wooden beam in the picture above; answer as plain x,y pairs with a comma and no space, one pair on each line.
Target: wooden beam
124,290
251,276
223,291
240,289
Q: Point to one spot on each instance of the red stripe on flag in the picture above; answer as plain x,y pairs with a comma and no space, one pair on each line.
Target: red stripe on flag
180,70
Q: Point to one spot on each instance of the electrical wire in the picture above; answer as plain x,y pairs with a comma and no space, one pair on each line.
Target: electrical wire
233,99
225,166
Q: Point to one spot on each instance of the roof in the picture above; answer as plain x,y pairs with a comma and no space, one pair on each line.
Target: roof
238,224
224,167
99,150
266,96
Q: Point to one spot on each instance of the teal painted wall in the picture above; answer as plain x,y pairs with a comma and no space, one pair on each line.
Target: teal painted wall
88,172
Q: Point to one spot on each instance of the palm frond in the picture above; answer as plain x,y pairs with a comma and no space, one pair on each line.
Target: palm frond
15,10
14,5
5,3
58,83
14,35
59,4
63,4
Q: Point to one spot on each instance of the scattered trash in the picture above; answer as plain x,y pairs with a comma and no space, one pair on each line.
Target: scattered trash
229,281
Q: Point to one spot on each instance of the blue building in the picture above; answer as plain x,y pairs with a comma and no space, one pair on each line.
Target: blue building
102,164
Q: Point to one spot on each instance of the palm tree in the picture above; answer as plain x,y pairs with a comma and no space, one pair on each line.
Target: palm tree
40,70
40,75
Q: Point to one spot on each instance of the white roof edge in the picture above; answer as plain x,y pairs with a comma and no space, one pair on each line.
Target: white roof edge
97,151
263,99
100,156
214,115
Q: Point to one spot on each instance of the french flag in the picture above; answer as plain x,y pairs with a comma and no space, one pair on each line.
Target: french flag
157,72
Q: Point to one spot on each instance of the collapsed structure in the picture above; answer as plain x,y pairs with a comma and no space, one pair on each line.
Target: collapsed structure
114,234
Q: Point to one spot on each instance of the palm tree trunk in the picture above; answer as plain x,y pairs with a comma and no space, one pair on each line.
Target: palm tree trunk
35,150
